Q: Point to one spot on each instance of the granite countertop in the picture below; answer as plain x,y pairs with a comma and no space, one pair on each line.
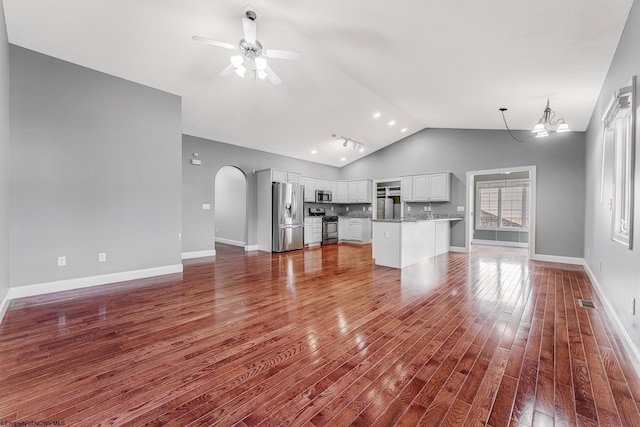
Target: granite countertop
423,218
355,215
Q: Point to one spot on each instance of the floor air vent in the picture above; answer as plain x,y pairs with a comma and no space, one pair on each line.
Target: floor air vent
586,304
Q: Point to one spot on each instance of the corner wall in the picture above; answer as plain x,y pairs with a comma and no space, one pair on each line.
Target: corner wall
95,167
4,161
615,268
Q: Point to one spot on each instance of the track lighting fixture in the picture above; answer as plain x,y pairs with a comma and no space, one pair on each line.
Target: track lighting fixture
350,143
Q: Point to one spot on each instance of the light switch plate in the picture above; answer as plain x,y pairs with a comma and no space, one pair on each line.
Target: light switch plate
206,207
460,208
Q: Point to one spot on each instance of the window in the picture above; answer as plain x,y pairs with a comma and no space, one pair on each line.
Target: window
503,205
619,127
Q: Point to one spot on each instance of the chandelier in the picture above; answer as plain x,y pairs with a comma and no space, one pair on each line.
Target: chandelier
546,124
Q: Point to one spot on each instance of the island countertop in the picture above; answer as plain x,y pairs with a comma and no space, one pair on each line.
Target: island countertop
417,219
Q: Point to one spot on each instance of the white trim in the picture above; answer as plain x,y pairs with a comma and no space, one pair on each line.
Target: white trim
460,249
198,254
500,243
249,248
4,304
558,259
629,345
85,282
230,242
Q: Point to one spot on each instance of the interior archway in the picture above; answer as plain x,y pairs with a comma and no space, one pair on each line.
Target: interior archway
231,206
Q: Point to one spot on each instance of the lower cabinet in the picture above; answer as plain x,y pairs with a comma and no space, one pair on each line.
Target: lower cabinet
312,231
356,230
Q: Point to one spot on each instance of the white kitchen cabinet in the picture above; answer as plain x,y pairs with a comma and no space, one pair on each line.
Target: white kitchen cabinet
284,176
359,191
312,231
406,185
343,228
324,185
433,187
334,189
420,188
343,192
309,188
440,187
355,229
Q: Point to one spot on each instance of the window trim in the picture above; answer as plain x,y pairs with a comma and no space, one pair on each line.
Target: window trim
619,122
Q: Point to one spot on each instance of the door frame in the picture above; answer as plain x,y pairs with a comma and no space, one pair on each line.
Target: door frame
471,195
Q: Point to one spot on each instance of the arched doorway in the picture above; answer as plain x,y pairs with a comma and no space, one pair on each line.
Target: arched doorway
231,206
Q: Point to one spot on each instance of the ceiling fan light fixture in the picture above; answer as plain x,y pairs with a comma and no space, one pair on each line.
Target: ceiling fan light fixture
240,71
237,60
261,63
261,74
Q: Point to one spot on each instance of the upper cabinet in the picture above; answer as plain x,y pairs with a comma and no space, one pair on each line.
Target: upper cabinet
406,187
342,193
283,176
434,187
360,191
309,188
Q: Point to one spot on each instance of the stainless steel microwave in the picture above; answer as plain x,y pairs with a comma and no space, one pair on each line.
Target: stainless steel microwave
323,196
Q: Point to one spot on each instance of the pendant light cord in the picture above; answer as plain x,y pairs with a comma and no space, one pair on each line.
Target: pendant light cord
502,110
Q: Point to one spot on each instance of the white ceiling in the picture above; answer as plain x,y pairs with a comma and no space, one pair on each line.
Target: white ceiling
424,64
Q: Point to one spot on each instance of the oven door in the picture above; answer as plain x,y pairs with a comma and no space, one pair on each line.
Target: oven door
329,232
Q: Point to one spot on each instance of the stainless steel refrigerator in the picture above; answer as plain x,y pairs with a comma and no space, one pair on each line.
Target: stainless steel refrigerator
288,216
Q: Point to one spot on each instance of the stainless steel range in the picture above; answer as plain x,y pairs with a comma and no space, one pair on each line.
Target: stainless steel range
329,225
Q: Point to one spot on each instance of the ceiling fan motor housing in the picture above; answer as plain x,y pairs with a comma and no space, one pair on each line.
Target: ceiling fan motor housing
250,14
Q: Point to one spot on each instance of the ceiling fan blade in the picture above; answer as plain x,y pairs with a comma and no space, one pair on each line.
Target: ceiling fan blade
272,76
214,42
227,71
249,28
292,55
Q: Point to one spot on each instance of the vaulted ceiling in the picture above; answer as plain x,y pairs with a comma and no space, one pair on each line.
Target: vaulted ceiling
422,64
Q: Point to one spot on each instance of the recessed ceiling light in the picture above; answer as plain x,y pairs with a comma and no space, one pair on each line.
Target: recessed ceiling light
376,115
392,122
343,159
403,130
314,151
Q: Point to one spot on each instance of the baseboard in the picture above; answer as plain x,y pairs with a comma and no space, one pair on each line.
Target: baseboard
86,282
460,249
4,304
629,346
198,254
558,259
230,242
250,248
501,243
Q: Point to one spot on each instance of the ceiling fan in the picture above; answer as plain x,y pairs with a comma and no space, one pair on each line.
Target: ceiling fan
250,53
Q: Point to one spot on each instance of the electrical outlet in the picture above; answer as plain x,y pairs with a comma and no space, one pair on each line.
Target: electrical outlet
425,208
347,208
102,257
408,208
460,208
62,261
363,208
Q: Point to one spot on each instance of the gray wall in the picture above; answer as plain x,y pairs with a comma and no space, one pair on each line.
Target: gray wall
560,175
616,268
95,167
198,185
4,156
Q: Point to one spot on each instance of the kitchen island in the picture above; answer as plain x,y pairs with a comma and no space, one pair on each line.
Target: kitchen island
399,243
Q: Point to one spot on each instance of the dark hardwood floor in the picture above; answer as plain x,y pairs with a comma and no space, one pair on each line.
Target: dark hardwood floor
322,337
